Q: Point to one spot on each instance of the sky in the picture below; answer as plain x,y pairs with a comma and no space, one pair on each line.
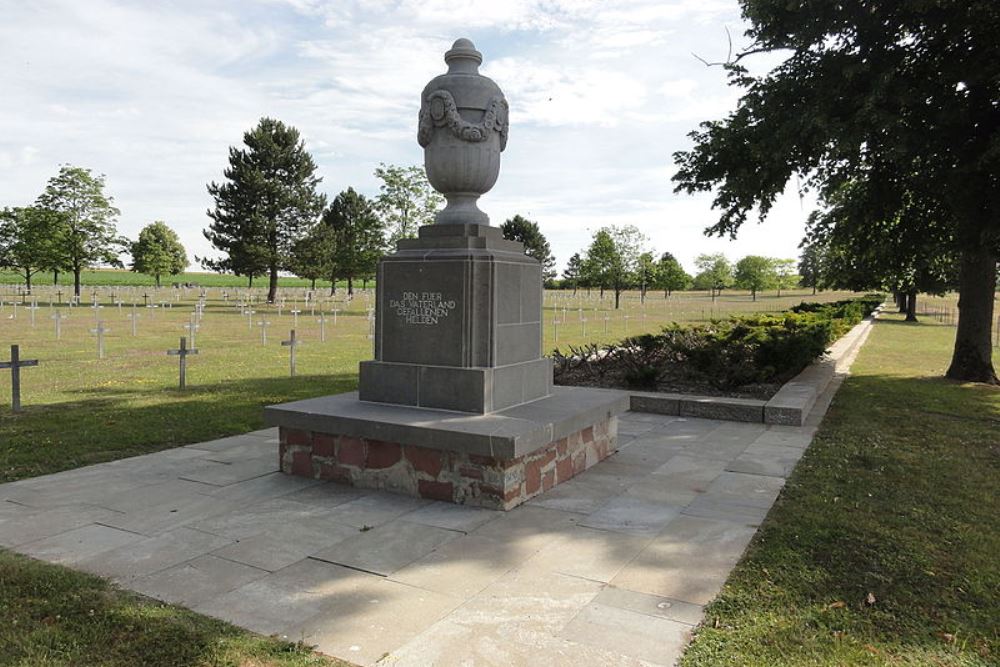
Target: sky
601,94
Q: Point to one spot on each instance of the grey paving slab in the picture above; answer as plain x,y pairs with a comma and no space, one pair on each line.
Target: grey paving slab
285,544
79,544
633,516
375,509
646,453
688,561
388,547
171,514
196,581
587,553
768,460
223,444
223,474
530,527
326,494
452,517
33,526
688,473
658,641
151,495
253,448
257,518
651,605
151,554
273,485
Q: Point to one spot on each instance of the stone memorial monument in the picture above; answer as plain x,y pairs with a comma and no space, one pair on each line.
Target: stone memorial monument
458,403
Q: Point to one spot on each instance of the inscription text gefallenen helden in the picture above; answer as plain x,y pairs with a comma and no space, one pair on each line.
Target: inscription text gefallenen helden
422,308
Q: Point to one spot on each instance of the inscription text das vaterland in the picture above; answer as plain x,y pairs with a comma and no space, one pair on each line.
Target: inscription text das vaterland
422,308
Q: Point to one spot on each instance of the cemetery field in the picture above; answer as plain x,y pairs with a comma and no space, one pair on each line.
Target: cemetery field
79,409
882,548
119,277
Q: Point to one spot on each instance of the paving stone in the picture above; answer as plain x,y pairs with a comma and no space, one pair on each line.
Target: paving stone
651,605
768,460
714,509
581,494
273,485
151,495
223,444
375,509
285,544
646,417
196,581
659,641
269,433
529,527
463,567
689,561
258,518
376,617
76,545
657,489
587,553
743,489
646,453
37,525
55,491
254,448
686,429
171,514
452,516
220,474
281,602
386,548
621,473
148,555
688,473
634,516
326,494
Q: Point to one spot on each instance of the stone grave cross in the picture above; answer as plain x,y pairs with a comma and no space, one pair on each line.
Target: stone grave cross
263,324
182,352
322,327
291,344
134,316
58,317
192,328
15,365
100,331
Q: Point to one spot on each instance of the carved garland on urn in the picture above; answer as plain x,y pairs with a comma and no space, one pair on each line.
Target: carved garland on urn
439,110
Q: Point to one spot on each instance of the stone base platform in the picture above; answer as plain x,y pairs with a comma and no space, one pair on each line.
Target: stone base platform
497,460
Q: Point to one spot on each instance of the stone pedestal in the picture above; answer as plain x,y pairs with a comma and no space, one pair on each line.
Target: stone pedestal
458,324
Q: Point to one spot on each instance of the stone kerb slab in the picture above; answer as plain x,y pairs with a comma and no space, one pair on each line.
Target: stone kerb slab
497,460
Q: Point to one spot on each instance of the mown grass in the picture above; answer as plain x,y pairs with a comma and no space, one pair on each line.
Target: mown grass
52,616
882,549
122,278
79,409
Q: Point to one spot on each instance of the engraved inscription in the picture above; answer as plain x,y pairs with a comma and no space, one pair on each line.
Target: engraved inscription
422,308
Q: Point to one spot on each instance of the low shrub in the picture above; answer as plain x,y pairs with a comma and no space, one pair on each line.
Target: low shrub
725,354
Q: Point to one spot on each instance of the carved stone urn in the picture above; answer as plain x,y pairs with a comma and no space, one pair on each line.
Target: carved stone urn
463,130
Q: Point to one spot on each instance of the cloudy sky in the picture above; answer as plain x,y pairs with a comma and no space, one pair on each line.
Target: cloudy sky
602,92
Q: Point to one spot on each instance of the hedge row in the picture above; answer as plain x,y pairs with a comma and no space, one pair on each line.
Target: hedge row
727,354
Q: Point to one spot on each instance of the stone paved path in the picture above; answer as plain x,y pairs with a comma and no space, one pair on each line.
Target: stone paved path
610,568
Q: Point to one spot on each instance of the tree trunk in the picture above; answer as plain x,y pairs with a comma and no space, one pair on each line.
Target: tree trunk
911,306
272,284
76,280
350,286
574,290
901,301
250,281
27,281
157,279
972,358
753,293
313,284
618,294
55,277
814,290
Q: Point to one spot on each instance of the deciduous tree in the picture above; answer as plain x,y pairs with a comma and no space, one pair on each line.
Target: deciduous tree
358,239
406,200
158,251
672,275
715,273
28,237
613,258
755,273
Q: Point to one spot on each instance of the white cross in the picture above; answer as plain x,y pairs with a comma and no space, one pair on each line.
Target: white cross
291,344
100,331
15,365
263,324
183,351
58,317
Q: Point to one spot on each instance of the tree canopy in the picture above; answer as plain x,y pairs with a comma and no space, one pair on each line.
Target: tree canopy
755,273
671,276
612,259
715,273
536,245
266,203
28,238
158,251
357,231
892,104
86,233
406,200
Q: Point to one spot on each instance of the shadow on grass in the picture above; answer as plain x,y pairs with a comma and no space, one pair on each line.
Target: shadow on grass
882,546
125,422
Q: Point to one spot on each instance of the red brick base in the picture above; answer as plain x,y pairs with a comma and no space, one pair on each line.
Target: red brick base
457,477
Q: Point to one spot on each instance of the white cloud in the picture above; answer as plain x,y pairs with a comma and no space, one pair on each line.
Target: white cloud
602,93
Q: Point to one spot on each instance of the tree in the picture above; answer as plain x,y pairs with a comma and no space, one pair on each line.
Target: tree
525,231
715,273
406,200
809,264
897,96
785,277
613,258
157,251
672,275
27,240
312,255
573,271
646,274
358,240
86,221
267,203
755,273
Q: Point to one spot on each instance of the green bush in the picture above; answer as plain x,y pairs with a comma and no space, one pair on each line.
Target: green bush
727,353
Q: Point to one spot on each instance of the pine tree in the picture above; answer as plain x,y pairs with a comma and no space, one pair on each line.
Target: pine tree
266,204
525,231
573,271
359,241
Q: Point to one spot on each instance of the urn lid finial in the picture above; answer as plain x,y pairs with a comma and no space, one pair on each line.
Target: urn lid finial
463,56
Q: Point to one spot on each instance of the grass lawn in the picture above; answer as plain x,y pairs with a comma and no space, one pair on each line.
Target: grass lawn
79,409
119,277
884,548
50,615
